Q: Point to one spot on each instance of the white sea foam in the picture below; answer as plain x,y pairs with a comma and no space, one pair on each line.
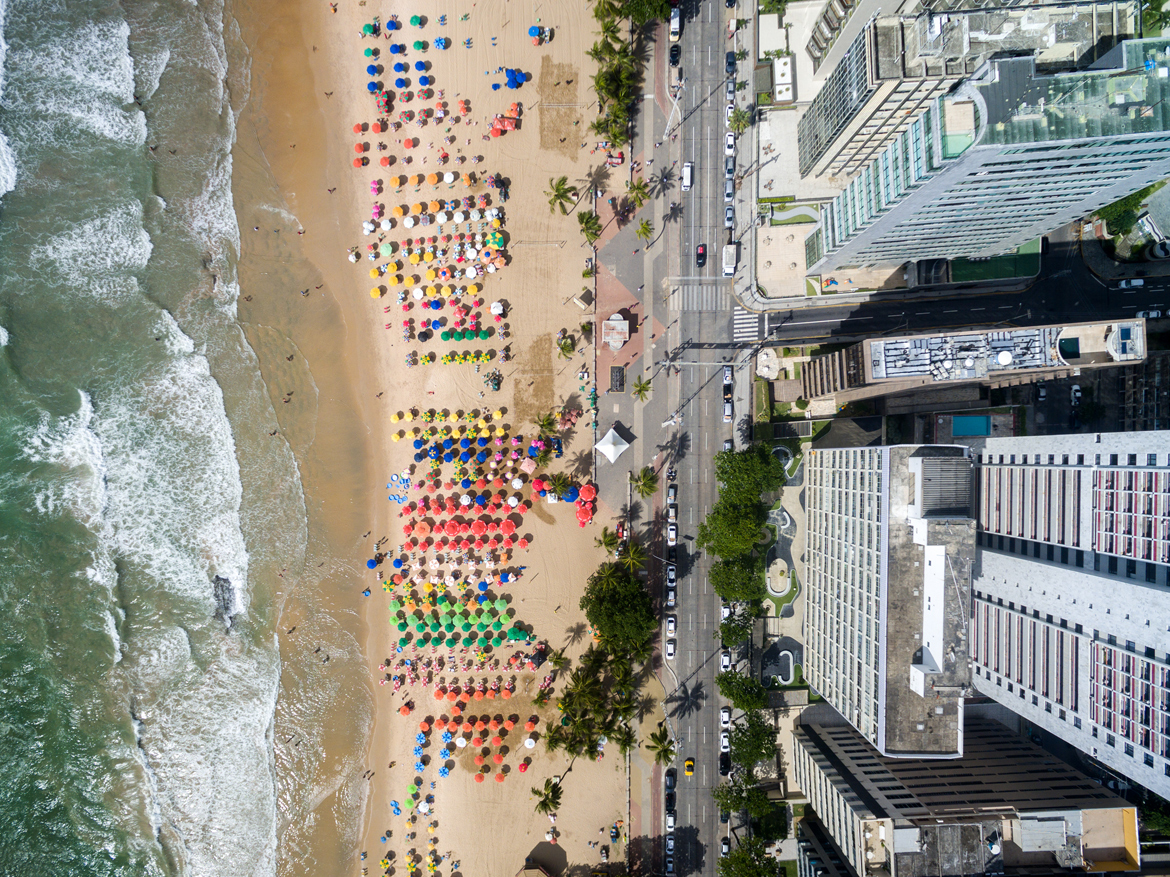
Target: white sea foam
70,445
7,159
3,337
150,67
108,247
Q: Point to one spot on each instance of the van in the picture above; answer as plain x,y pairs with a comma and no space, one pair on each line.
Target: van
1132,283
675,24
688,175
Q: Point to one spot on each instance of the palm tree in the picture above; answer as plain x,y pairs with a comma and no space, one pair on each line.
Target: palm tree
607,540
740,120
645,482
606,9
590,224
557,659
559,194
548,799
565,347
645,231
634,557
610,31
639,191
558,483
641,388
546,423
625,738
661,745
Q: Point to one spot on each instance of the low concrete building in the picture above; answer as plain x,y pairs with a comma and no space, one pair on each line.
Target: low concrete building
993,357
1004,807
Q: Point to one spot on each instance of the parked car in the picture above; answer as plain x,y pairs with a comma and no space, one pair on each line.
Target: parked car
671,645
724,847
727,444
725,661
1075,395
1131,283
672,534
670,843
669,779
729,166
675,24
725,815
670,820
731,89
728,191
729,218
672,512
724,741
675,55
689,767
671,573
727,114
724,611
729,144
727,411
1041,393
671,598
668,800
729,63
701,255
672,554
671,625
672,493
669,869
727,374
1148,315
724,765
725,716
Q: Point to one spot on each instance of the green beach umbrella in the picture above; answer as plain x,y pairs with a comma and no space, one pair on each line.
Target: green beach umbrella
403,627
484,334
445,335
368,29
369,53
468,640
465,626
415,21
420,627
449,628
452,642
418,45
497,642
501,604
435,627
497,625
481,627
404,641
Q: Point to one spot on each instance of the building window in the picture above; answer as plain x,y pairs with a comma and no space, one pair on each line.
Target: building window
1148,759
1077,722
1129,749
1131,460
1035,700
1151,459
1110,740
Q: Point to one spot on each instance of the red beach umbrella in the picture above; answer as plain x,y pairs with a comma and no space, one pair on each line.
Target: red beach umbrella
497,741
357,129
479,778
523,543
359,147
500,777
522,767
479,759
404,710
476,741
424,726
498,759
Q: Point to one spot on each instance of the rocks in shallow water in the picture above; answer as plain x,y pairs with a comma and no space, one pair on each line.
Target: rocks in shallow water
225,600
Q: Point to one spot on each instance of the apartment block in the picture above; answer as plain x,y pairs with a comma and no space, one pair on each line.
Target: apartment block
1004,807
1007,156
1099,502
900,63
890,538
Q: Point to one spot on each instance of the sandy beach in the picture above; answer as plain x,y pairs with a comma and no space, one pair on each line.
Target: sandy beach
309,90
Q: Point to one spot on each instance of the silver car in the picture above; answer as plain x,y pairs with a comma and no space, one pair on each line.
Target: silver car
728,190
729,144
729,217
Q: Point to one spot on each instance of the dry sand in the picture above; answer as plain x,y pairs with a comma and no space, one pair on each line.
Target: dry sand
487,828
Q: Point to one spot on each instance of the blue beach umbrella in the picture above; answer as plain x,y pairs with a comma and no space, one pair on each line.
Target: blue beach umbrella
448,458
418,444
443,772
419,767
481,500
399,67
465,483
447,443
465,443
464,457
420,738
371,87
495,86
397,563
418,458
481,457
424,80
483,586
400,83
420,66
534,31
372,69
371,563
394,50
418,751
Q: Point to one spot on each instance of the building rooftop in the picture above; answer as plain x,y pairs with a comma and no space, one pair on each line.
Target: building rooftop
931,550
975,356
1126,94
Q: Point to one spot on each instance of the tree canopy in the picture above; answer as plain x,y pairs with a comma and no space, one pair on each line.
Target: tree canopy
735,629
753,739
742,793
731,529
746,474
618,605
748,858
738,578
744,692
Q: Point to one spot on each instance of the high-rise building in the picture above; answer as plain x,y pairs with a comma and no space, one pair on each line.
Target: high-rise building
1071,614
1005,158
900,63
890,539
1004,807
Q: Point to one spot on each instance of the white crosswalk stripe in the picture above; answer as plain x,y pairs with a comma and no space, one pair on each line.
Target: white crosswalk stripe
745,326
700,297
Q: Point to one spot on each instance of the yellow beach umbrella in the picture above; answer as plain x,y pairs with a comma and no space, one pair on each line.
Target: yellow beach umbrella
431,274
373,272
398,211
431,291
473,289
393,280
497,414
395,417
414,258
417,208
375,293
481,423
396,437
499,430
429,257
485,433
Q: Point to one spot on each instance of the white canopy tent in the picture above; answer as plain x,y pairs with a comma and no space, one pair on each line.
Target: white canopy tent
612,445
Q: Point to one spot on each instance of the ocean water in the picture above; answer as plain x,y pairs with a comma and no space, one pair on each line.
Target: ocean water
141,523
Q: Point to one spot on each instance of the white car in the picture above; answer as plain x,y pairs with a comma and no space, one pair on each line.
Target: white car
670,820
1132,283
670,843
672,534
671,575
1148,315
725,716
671,625
670,647
725,661
727,374
729,145
724,847
671,598
672,512
729,217
727,412
727,444
724,612
727,114
724,741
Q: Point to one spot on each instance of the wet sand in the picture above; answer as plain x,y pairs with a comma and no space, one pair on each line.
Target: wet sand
308,89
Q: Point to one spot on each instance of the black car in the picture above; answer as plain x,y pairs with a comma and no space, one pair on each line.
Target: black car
724,816
701,255
672,554
675,54
730,4
670,780
724,763
730,63
669,801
